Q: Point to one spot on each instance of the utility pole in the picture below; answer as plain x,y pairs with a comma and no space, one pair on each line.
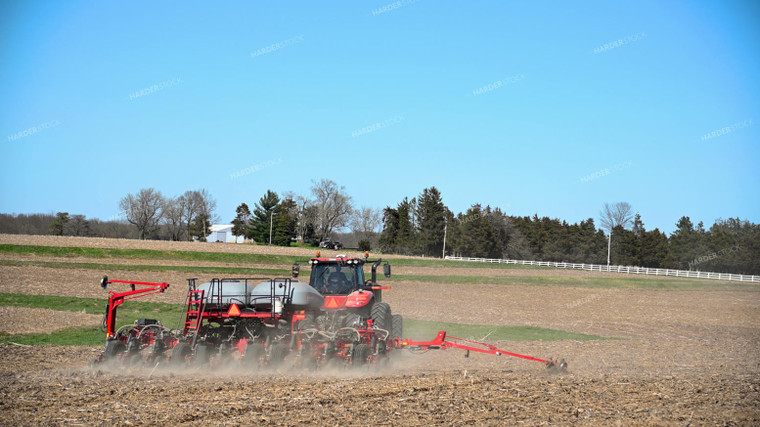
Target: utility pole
609,245
271,218
445,226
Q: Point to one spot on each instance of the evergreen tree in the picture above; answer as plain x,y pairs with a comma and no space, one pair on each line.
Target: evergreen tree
655,252
389,235
430,213
240,223
406,239
625,247
475,237
285,221
58,225
263,217
510,242
686,245
200,227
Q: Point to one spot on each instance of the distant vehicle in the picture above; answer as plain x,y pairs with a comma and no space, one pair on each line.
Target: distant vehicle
329,244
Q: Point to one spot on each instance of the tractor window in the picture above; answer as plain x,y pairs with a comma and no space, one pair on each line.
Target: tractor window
336,279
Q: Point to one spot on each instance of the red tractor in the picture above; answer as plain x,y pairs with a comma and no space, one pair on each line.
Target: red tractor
349,297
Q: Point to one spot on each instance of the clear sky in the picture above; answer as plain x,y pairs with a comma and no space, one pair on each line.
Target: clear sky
532,106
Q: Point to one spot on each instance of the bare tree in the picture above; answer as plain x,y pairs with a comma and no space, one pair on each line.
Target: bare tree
144,210
365,223
78,226
306,214
174,217
194,204
333,206
619,214
207,205
189,206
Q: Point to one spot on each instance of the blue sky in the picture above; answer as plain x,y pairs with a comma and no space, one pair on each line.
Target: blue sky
533,107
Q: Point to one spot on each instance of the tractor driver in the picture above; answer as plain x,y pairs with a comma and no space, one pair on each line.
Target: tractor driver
337,282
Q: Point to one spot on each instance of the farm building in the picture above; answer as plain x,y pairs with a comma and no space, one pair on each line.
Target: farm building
223,233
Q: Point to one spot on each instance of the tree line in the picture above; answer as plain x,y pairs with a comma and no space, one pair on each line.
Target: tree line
147,214
306,219
422,225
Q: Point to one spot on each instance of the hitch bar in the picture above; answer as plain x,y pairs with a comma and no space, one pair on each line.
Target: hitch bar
442,342
115,299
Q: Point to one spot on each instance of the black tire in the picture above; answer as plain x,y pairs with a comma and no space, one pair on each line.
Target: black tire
203,354
180,353
114,348
352,320
381,315
253,354
397,326
277,356
360,354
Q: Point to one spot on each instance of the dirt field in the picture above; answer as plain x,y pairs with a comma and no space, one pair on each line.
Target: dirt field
685,357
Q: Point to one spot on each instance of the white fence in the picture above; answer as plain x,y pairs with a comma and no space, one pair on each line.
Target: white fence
620,269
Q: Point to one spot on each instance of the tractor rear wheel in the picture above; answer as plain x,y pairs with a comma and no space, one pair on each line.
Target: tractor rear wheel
360,354
180,353
397,326
277,356
381,315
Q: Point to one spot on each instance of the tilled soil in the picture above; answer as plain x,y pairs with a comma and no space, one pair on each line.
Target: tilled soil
72,395
678,357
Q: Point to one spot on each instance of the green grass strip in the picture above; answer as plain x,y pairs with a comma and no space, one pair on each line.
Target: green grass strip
69,336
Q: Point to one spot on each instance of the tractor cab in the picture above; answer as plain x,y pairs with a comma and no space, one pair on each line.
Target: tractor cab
350,298
342,274
336,276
